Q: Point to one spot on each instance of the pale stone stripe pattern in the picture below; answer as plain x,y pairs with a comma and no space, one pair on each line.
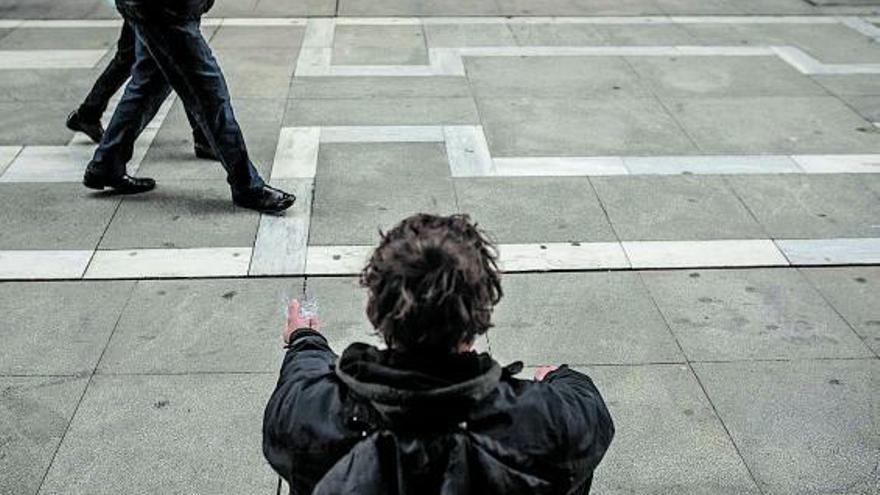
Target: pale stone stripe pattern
558,166
50,59
337,260
832,251
838,164
562,256
381,134
296,156
694,254
467,151
43,265
674,165
170,263
282,240
7,155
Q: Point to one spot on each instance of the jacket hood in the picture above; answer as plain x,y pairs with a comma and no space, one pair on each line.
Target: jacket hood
418,390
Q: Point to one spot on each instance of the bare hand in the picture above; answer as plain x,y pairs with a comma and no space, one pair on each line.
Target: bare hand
543,371
295,321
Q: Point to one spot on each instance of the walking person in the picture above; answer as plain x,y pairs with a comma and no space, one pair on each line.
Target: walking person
428,414
171,53
87,118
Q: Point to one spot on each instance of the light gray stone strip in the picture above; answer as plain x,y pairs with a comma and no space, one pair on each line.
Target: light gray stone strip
313,62
381,134
263,22
320,33
170,263
562,256
805,63
7,155
70,23
337,260
832,251
838,164
862,26
50,59
381,71
446,62
558,166
296,156
43,265
467,151
692,254
378,21
674,165
282,240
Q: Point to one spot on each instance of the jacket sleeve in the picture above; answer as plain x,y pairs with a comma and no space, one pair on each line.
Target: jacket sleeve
583,415
305,384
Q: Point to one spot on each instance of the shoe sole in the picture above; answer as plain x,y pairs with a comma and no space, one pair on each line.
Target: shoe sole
283,207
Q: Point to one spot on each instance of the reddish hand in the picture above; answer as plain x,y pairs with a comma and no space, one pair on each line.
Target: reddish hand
296,321
542,372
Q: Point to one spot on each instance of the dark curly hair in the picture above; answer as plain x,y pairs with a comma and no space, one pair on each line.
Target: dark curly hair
433,283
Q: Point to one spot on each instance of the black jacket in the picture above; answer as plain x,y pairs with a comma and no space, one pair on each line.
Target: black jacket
380,422
164,10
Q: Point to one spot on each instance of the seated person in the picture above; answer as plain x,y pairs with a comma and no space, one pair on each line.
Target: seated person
428,414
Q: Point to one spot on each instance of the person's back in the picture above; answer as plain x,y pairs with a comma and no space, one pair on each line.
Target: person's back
428,415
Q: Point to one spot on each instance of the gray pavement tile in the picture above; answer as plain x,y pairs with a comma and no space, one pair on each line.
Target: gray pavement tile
829,43
295,9
58,327
379,87
645,35
92,38
691,7
672,208
810,206
263,73
668,439
580,127
381,111
35,412
171,156
183,214
853,293
343,312
41,85
777,6
850,84
458,35
554,77
578,7
380,45
410,8
52,216
166,434
866,106
774,125
723,76
234,8
36,122
528,34
361,188
189,326
241,37
751,314
802,427
580,318
535,209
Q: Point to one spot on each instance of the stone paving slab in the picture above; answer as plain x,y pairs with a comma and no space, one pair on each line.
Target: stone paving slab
34,414
852,292
68,216
263,73
379,87
580,127
183,214
685,77
57,328
42,85
35,122
658,208
668,438
576,319
786,125
380,45
201,326
803,427
66,39
866,84
753,314
548,209
201,432
361,188
381,111
246,37
810,206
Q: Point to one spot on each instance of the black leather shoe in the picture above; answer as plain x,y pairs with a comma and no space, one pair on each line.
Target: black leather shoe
265,200
205,152
94,130
120,185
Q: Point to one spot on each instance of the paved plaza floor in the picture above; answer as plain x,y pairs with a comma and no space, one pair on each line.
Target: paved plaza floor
686,194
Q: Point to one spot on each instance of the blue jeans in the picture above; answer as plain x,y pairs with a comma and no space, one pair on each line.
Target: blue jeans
175,55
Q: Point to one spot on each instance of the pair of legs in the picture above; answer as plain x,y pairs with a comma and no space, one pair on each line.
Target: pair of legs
174,55
87,118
